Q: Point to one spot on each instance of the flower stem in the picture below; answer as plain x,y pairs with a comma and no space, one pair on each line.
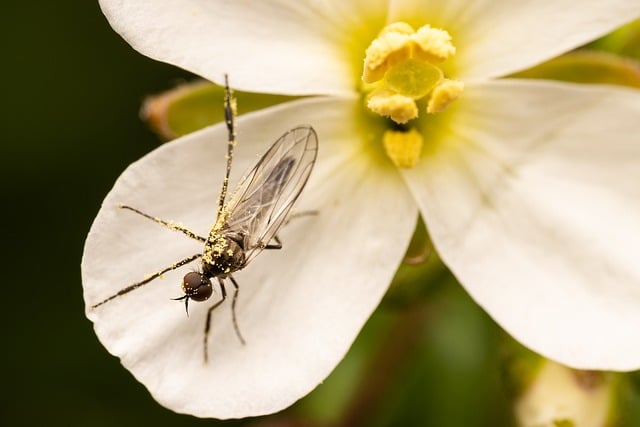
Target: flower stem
399,343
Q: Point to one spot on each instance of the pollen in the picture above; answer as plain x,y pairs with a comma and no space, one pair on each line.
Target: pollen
215,248
433,44
403,147
443,95
403,66
398,108
392,45
403,74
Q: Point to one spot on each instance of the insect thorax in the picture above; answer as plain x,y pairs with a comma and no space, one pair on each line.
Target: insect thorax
222,255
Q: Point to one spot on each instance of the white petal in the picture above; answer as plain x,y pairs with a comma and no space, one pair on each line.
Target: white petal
271,46
533,200
498,37
299,309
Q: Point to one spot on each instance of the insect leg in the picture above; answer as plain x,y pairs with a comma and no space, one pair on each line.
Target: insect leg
207,323
229,115
233,309
168,224
148,279
300,214
277,245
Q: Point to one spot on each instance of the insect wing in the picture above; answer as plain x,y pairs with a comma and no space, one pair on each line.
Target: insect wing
262,201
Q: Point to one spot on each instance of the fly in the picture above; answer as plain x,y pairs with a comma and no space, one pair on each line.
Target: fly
247,223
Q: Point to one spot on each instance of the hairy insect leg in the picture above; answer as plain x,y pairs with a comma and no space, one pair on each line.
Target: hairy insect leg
278,242
207,323
229,116
233,309
300,214
277,245
148,279
170,225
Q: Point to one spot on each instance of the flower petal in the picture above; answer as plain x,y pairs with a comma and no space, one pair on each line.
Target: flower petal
299,309
532,199
271,46
496,38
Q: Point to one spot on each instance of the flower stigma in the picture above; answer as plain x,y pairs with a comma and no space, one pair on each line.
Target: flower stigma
402,68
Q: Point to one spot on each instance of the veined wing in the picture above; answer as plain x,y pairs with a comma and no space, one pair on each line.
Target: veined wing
262,201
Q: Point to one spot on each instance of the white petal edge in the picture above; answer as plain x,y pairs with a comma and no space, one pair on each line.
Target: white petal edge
532,200
498,37
273,46
299,308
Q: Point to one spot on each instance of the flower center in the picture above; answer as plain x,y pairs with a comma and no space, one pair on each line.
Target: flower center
401,67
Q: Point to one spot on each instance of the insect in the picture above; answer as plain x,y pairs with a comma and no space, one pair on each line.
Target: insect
246,224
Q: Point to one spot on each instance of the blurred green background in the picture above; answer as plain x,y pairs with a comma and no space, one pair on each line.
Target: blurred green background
72,89
71,93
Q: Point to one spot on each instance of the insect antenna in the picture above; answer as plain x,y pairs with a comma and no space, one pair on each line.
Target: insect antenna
229,114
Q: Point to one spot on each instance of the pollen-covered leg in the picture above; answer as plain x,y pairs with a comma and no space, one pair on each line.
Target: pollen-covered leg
149,278
171,225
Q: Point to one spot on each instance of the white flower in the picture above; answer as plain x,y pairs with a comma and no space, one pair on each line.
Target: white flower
529,189
557,396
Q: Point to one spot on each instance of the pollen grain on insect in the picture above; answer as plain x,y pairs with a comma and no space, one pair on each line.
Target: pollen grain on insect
149,276
175,225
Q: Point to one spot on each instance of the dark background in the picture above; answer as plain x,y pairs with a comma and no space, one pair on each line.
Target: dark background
71,93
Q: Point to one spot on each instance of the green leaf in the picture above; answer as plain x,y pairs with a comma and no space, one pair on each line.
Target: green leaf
624,41
587,66
195,105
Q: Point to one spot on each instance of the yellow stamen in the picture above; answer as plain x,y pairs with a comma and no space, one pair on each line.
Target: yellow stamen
402,68
401,61
443,95
398,108
398,42
398,27
434,44
403,148
390,47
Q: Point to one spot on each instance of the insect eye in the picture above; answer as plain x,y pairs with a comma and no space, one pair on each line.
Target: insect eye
196,286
